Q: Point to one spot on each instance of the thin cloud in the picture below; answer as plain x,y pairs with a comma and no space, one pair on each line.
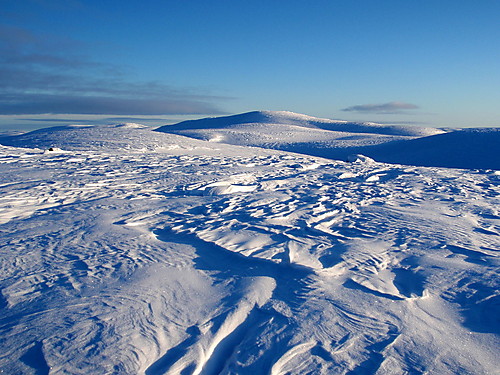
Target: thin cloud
49,119
45,76
386,108
136,119
404,123
35,104
99,120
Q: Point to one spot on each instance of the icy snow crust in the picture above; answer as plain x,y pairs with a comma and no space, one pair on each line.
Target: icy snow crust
128,251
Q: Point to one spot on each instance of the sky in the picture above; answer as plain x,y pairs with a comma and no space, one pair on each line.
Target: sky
427,62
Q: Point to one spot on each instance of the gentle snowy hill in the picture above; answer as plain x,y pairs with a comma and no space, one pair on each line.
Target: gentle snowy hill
125,137
473,148
293,132
296,119
130,251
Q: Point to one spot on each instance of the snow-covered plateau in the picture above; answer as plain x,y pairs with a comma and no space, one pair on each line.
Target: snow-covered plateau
250,245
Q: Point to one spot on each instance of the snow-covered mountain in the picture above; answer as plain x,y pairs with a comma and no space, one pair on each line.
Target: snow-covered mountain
411,145
275,118
130,251
294,132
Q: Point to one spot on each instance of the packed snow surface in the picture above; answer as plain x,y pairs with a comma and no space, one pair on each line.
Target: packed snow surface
129,251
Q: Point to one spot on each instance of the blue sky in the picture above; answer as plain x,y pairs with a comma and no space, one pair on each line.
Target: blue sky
424,62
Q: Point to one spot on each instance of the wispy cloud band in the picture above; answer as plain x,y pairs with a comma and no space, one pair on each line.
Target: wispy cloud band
45,76
386,108
33,104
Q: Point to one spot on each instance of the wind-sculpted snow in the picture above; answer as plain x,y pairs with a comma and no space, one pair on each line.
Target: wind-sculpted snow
208,258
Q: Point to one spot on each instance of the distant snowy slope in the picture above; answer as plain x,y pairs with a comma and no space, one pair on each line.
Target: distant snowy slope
291,118
468,148
285,137
124,137
77,137
411,145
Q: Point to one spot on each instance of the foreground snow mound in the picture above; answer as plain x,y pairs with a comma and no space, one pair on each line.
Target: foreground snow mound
234,260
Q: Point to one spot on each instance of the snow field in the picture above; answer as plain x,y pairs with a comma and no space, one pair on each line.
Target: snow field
208,258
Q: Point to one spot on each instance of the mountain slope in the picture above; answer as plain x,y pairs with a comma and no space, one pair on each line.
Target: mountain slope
473,148
295,119
468,148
